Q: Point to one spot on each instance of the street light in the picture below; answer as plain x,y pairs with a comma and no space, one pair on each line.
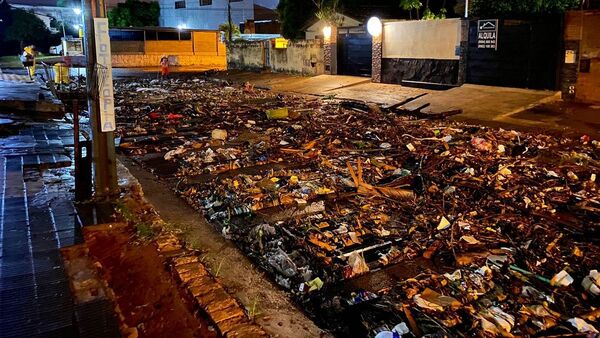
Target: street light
77,10
374,26
327,33
181,26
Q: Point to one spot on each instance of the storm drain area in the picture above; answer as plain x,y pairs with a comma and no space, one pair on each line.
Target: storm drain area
379,221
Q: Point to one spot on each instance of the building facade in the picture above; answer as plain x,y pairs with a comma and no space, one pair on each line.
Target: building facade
203,14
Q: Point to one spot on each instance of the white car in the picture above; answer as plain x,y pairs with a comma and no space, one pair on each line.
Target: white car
56,50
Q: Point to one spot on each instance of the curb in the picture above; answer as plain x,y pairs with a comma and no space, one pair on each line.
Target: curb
205,291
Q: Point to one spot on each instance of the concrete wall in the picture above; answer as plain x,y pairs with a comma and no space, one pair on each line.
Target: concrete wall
301,57
304,57
204,50
127,47
422,39
246,55
426,51
153,60
582,35
166,46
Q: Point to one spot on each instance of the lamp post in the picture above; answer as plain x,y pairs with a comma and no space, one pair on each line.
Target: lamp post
375,29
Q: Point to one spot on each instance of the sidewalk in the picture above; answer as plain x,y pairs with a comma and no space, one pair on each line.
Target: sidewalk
37,218
18,93
515,108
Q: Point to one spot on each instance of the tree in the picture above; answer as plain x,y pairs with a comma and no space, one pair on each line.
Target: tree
134,13
505,8
26,28
410,5
5,16
293,15
328,11
226,27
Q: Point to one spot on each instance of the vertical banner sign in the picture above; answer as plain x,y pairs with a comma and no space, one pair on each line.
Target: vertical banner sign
104,75
487,34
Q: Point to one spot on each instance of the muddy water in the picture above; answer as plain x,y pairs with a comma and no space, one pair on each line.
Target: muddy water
145,292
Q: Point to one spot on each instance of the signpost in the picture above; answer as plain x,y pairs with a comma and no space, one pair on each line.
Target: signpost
104,74
100,97
487,34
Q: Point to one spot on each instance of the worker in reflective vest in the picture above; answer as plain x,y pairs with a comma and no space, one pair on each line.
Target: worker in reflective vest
28,60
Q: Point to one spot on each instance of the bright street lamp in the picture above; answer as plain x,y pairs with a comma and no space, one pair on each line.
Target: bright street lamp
374,26
181,26
327,32
77,10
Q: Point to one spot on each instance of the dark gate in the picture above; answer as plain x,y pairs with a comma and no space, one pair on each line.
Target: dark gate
527,56
354,54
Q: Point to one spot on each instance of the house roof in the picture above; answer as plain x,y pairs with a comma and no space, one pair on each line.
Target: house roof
363,12
264,13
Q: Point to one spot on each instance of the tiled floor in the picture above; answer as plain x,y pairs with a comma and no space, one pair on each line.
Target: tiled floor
37,218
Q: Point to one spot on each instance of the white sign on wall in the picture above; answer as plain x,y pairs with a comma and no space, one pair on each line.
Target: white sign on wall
104,75
421,39
487,34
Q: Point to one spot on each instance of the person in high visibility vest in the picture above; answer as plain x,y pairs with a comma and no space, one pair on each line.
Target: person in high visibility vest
28,60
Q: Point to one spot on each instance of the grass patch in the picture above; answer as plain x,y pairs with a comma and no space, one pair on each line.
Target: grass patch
144,230
10,61
13,61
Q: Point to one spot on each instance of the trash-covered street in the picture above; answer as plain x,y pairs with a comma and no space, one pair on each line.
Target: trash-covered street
375,219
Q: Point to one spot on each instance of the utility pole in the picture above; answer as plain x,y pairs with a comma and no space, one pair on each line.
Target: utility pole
230,24
103,144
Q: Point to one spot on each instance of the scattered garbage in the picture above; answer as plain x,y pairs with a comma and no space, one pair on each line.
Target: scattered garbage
279,113
219,134
329,195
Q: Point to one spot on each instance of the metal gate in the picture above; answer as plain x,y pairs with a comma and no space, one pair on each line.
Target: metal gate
354,54
527,55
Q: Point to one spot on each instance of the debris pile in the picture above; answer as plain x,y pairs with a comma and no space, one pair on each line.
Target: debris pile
320,192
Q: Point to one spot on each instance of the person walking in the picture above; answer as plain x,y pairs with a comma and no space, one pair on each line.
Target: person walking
28,60
164,67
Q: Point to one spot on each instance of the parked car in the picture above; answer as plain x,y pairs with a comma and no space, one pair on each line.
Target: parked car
56,50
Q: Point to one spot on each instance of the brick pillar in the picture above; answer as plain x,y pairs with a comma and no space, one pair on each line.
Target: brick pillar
330,52
377,55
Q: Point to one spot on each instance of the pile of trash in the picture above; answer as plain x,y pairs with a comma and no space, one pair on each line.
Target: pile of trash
320,192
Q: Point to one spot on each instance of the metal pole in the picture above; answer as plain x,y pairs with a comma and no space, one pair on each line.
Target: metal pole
466,8
103,144
229,20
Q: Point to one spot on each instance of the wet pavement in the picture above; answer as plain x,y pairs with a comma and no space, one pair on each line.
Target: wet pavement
513,108
37,218
17,90
18,93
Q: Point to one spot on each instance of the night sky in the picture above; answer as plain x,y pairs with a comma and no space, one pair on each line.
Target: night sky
112,3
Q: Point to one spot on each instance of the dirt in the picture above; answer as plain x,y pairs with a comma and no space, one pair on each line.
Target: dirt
272,308
146,294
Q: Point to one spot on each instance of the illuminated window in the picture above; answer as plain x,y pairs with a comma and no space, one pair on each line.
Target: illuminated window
180,4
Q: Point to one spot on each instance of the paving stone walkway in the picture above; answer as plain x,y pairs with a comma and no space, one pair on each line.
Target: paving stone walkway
37,218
